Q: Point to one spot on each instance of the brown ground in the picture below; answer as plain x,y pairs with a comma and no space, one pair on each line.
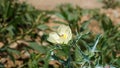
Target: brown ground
50,4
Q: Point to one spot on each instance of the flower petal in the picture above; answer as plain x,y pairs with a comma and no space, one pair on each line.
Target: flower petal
65,30
53,37
62,36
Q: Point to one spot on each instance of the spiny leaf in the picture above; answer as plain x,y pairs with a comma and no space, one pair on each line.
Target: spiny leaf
95,44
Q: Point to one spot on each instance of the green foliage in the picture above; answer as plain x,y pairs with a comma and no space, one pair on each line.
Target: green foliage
70,14
86,49
37,47
18,19
111,3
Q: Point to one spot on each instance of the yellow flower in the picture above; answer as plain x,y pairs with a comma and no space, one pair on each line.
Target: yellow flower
62,36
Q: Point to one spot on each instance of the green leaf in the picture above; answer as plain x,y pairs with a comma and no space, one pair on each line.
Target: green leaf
37,47
28,17
106,23
95,44
78,56
60,22
42,27
85,24
60,15
11,52
63,52
10,29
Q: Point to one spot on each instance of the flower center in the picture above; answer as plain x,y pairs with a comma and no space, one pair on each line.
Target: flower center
64,36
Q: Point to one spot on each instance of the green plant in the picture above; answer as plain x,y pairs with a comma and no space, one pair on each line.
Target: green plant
111,3
24,32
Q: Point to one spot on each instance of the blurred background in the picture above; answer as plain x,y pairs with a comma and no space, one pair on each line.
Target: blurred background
51,4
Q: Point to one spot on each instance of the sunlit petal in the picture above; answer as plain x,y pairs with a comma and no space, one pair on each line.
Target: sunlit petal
62,36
